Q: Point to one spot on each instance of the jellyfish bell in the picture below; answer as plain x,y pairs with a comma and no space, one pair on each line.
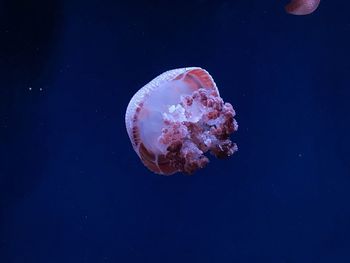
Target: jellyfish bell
176,118
302,7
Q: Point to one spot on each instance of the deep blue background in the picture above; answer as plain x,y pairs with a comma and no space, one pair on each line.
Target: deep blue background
73,190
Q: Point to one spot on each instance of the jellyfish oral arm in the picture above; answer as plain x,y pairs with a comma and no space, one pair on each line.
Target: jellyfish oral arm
201,122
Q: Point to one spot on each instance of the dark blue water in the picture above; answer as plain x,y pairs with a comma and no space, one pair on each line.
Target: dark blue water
73,190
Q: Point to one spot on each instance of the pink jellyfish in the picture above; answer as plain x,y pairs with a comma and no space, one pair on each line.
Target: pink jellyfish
176,118
302,7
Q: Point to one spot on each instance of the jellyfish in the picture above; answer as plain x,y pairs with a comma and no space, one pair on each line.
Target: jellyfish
302,7
178,117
